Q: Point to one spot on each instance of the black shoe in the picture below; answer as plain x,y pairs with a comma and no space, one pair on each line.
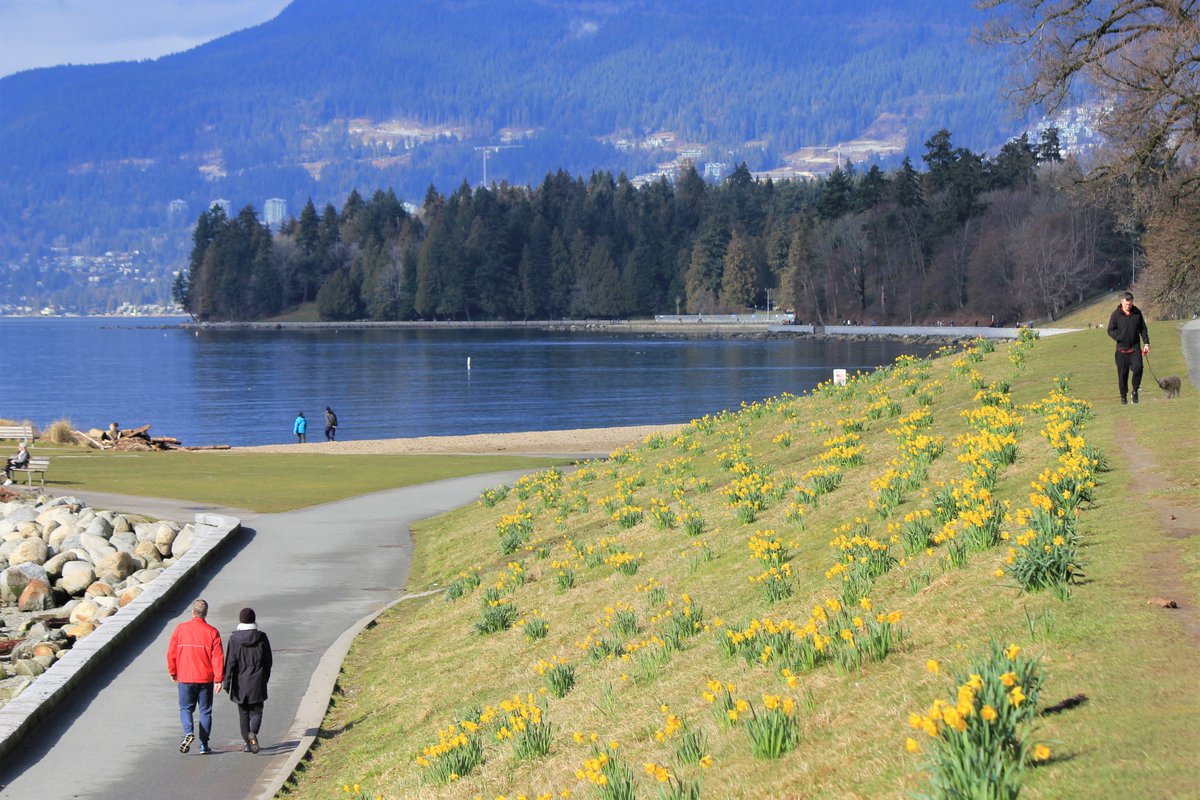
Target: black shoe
186,744
1124,401
1135,397
204,750
252,743
246,748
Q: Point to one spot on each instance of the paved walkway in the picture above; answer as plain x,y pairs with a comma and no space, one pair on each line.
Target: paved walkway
311,575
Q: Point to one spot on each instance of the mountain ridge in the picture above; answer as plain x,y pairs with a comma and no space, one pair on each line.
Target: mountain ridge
93,155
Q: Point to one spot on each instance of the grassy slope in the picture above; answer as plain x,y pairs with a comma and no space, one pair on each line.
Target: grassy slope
266,482
1137,666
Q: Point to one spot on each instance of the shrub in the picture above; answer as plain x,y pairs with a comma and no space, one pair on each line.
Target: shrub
61,431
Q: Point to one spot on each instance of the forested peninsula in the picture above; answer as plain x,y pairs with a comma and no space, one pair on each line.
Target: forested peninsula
969,237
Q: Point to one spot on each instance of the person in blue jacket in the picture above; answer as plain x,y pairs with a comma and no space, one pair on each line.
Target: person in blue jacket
299,427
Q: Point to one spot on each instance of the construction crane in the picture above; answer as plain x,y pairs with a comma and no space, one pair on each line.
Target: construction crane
493,148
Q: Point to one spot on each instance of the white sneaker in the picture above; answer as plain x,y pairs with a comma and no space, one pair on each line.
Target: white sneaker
8,482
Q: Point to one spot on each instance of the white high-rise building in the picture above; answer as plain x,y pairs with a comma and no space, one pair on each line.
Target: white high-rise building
275,211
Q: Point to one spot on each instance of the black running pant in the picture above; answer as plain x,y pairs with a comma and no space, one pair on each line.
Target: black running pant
249,718
1126,363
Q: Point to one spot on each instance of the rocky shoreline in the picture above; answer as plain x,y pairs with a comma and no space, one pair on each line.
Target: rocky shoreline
66,567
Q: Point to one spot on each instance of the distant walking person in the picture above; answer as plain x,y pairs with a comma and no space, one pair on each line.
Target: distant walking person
247,670
330,424
196,663
299,427
1127,327
19,461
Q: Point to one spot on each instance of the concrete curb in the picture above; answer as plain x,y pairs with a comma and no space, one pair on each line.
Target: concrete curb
316,699
50,688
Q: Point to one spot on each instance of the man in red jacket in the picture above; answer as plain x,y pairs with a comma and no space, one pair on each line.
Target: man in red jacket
196,663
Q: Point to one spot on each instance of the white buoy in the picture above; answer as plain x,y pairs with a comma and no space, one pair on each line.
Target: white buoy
468,363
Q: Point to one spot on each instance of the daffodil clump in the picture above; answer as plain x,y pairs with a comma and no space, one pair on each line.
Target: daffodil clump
459,750
535,626
980,744
681,620
466,581
1046,555
525,724
915,531
749,494
514,530
490,497
861,559
882,405
558,674
833,632
628,515
822,480
663,516
624,562
611,777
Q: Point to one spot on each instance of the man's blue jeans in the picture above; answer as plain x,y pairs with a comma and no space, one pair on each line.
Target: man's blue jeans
191,695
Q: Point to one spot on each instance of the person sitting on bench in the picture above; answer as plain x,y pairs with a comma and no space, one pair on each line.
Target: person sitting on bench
21,459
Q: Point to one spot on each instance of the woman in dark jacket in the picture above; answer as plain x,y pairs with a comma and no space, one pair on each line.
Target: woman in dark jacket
247,670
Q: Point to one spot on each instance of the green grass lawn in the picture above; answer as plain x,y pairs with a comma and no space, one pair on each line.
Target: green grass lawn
264,482
1120,675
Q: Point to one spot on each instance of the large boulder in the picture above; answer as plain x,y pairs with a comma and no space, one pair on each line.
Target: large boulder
164,538
15,578
183,541
96,546
116,567
129,594
86,611
77,576
65,532
126,542
30,550
54,564
22,513
79,630
99,589
121,525
148,552
37,596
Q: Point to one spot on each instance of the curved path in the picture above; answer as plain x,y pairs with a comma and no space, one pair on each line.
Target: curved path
312,575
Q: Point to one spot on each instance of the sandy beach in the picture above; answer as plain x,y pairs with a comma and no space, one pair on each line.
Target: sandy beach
581,442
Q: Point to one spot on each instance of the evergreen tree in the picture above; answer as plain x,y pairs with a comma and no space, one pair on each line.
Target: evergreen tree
738,278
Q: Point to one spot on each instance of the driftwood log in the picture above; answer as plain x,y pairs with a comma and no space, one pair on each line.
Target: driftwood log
135,439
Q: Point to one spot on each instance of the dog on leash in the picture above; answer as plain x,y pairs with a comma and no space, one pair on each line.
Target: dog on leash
1170,385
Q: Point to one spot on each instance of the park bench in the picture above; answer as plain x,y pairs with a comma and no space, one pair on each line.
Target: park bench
37,464
22,433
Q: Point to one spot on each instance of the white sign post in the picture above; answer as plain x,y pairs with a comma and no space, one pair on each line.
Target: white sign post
839,377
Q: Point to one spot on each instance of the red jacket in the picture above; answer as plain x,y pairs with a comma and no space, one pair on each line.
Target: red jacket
194,654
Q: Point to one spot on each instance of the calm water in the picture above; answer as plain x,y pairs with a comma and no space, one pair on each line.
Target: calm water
245,387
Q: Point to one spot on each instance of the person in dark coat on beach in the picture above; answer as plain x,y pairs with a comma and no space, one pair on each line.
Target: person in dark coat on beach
330,424
247,671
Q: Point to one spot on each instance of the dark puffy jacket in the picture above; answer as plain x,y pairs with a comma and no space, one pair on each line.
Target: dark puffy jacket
1126,330
247,666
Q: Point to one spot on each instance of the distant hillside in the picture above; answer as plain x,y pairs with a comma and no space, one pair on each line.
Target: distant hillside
331,96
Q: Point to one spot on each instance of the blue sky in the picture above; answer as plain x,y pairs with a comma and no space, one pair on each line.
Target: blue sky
43,33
